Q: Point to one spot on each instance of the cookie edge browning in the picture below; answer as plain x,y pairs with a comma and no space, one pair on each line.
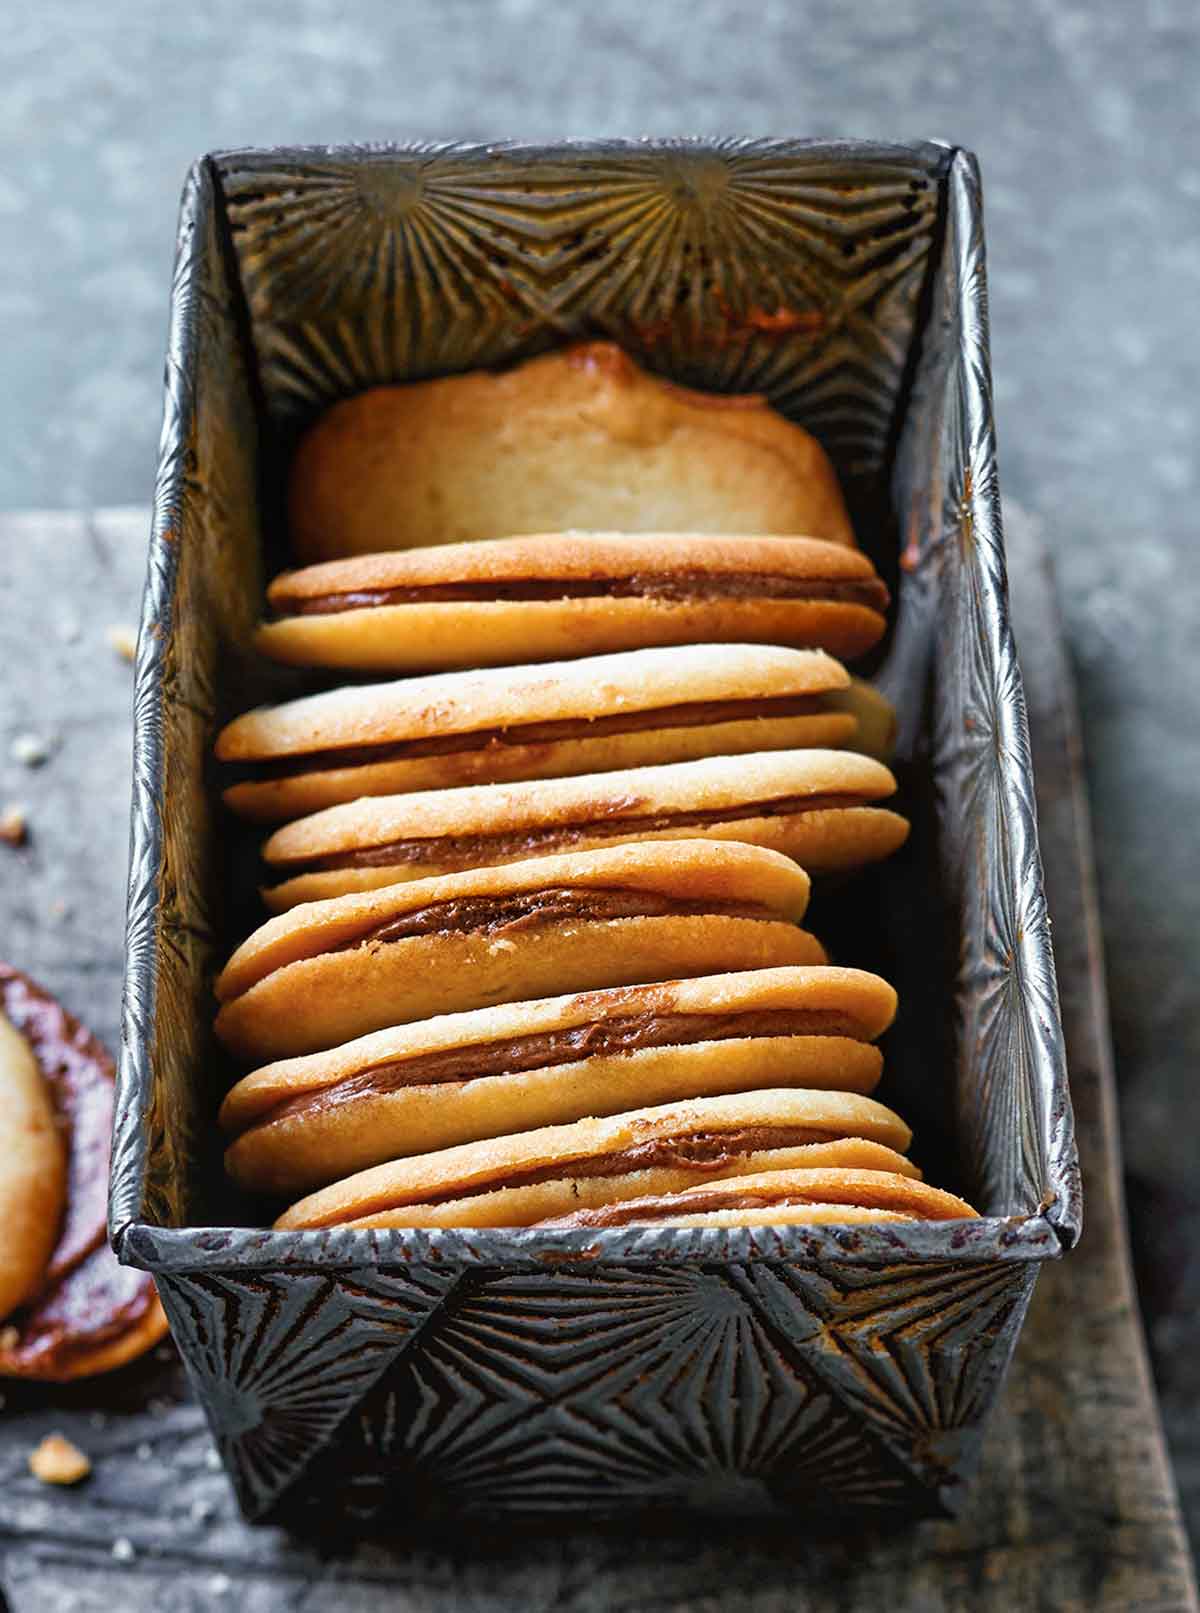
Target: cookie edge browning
443,704
707,783
859,1189
738,873
416,1180
299,1153
855,992
576,555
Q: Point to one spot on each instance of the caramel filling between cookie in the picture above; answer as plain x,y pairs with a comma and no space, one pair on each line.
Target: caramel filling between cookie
544,1050
511,912
675,587
704,1152
666,1206
477,850
686,715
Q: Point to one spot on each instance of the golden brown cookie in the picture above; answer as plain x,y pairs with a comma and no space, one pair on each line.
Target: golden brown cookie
819,807
552,721
535,1175
325,972
560,595
580,439
780,1198
33,1171
463,1077
88,1314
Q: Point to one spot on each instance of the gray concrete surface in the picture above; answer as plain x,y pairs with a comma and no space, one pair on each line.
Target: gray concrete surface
1087,121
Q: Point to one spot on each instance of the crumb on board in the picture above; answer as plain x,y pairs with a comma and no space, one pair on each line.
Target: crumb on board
31,750
14,825
123,1549
123,639
57,1461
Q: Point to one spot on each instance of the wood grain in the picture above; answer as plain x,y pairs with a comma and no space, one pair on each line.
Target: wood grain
1074,1508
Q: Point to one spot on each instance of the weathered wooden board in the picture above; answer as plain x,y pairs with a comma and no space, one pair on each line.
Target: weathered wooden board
1074,1509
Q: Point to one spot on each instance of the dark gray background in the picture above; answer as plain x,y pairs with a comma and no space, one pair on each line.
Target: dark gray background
1086,118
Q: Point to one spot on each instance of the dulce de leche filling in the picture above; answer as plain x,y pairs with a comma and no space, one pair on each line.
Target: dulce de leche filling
666,1206
513,911
540,1050
701,1151
476,850
691,714
674,587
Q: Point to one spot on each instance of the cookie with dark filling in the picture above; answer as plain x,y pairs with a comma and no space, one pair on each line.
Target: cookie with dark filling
559,1170
556,720
790,1197
459,1078
558,595
821,807
326,972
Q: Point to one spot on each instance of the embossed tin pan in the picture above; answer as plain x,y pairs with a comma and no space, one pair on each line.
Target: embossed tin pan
413,1374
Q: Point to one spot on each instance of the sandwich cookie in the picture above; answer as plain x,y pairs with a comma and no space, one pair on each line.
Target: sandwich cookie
518,1180
462,1077
326,972
780,1198
580,439
85,1314
816,806
527,722
558,595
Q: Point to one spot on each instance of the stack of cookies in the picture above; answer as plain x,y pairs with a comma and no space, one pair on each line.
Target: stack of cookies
538,874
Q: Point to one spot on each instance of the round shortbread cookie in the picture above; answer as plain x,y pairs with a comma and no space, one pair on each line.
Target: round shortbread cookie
580,438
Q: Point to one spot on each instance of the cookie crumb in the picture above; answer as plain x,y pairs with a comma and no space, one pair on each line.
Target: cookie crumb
123,640
31,750
14,826
9,1338
57,1461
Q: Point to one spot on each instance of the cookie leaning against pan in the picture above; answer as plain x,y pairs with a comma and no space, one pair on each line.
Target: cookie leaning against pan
87,1314
325,972
579,438
550,721
559,595
816,806
463,1077
518,1180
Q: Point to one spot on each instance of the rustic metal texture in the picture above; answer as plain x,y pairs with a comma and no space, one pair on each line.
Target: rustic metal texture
1073,1509
1012,1067
333,1358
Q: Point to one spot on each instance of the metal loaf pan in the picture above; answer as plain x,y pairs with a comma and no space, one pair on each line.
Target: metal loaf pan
413,1374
